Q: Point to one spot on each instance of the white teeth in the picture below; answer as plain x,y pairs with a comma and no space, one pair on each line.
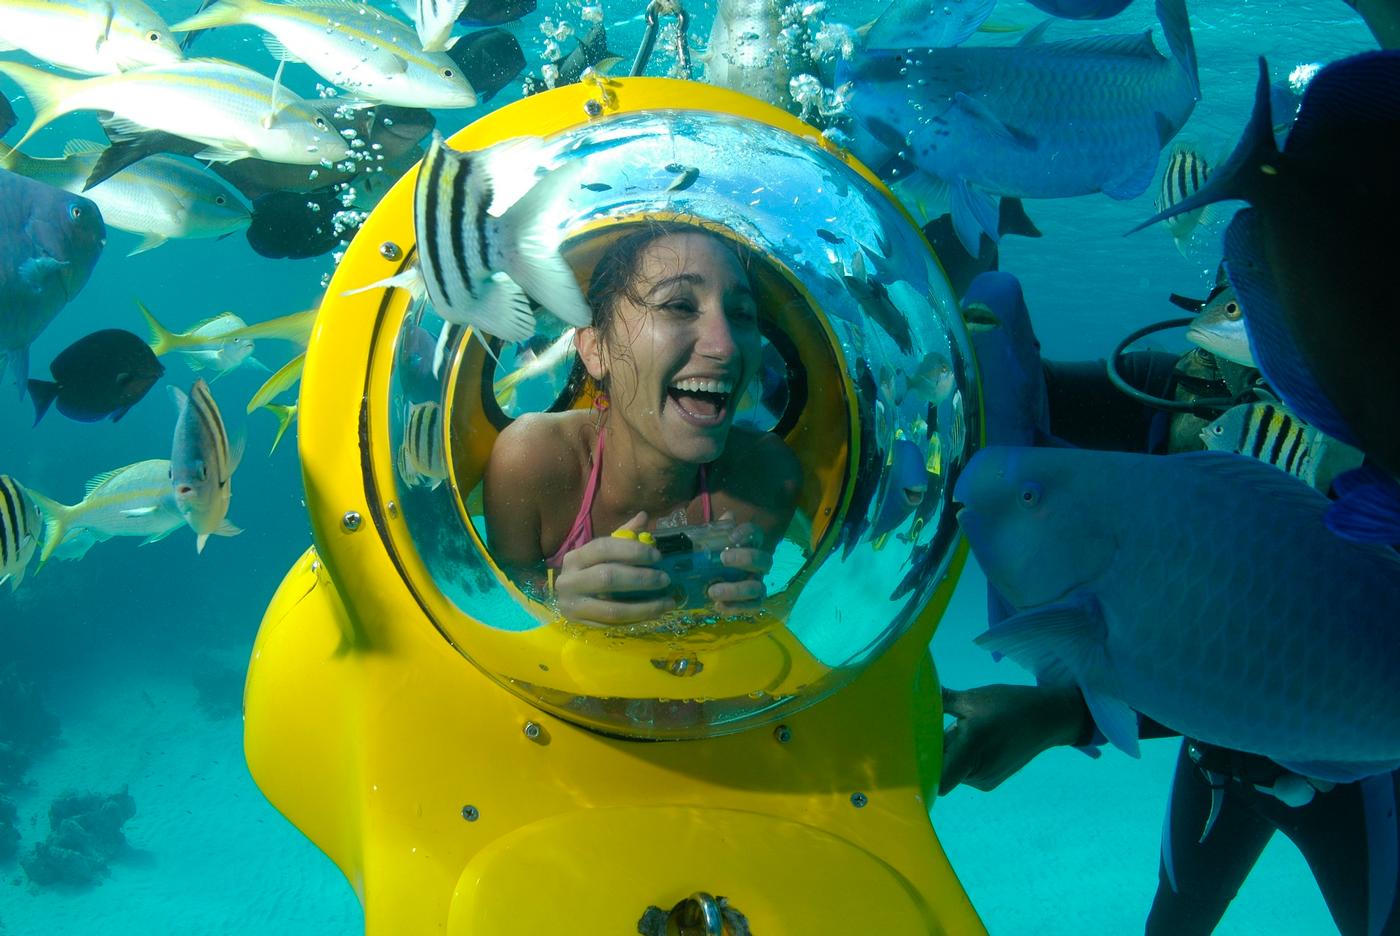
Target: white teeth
699,385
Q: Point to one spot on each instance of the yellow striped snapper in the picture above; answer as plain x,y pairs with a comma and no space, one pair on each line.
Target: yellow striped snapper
285,414
481,270
20,525
135,500
207,345
1187,170
1270,433
234,111
283,379
422,461
158,198
201,464
295,328
87,37
368,53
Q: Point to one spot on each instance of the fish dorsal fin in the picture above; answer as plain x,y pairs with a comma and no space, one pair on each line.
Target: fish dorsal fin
270,118
349,6
277,49
81,147
1138,45
1036,34
119,129
96,481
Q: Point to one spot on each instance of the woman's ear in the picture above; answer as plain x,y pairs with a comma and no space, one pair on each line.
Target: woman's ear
590,350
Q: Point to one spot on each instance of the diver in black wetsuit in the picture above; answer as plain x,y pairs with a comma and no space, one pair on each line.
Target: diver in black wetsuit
1224,805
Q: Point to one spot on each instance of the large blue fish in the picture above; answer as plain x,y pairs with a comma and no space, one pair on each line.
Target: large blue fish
1035,120
1313,268
49,242
1015,406
1201,590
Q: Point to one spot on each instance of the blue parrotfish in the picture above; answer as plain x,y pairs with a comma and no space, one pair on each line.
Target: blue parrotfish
1035,120
1081,9
1245,624
1314,272
905,489
1015,407
49,242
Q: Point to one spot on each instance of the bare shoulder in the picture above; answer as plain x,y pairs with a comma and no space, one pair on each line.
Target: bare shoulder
541,451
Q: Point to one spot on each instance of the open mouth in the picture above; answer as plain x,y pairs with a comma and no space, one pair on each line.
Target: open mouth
702,401
978,317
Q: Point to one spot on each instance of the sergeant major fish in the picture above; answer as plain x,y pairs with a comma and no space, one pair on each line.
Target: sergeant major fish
87,37
201,463
1186,171
20,527
1308,671
352,45
992,122
463,250
1270,433
234,111
421,460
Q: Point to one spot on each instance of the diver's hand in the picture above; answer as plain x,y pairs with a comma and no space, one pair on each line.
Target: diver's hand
746,555
1000,728
611,580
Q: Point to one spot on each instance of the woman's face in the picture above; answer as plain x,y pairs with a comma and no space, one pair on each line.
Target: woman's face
678,361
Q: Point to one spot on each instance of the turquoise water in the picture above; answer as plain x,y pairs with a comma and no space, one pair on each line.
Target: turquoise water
138,651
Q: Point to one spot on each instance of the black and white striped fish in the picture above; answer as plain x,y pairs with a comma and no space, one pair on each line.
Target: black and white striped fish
1186,172
201,463
422,460
481,270
434,20
1270,433
20,524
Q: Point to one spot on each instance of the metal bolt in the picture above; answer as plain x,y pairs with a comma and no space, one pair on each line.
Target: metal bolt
783,734
351,521
593,108
393,508
470,813
532,730
858,800
390,250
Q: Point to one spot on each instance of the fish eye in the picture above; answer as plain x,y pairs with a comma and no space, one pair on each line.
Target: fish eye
153,36
1232,310
75,211
448,73
1030,494
219,199
321,123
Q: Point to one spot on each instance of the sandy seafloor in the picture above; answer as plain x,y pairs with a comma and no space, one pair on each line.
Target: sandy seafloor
117,642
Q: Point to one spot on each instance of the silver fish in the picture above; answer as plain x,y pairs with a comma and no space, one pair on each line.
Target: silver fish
422,461
212,344
20,526
87,37
1219,328
201,464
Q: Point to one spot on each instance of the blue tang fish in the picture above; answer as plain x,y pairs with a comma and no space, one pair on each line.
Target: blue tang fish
1202,590
1015,408
49,242
1314,271
1035,120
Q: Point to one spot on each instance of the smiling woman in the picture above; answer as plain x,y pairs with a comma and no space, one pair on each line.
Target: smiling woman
587,497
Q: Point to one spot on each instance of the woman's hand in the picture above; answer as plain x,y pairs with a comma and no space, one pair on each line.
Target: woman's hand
1000,728
613,579
746,555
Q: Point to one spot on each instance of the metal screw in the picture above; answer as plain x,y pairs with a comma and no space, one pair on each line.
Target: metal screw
783,734
593,108
470,813
393,508
390,250
532,730
858,800
351,521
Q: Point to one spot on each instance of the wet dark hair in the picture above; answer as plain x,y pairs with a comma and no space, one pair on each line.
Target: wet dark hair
615,278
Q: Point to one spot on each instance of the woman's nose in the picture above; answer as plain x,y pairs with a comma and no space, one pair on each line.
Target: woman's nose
716,338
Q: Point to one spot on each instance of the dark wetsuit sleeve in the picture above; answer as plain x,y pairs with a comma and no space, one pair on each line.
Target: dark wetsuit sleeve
1087,411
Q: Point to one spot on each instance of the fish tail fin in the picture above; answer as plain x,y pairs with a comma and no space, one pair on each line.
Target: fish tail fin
58,520
531,240
163,340
48,93
199,542
222,13
1237,177
285,414
42,394
1176,26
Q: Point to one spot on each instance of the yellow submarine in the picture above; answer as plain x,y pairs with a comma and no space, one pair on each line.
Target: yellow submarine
476,764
